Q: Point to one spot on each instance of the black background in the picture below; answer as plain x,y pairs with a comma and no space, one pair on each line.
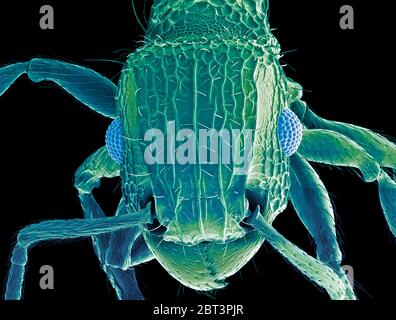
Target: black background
46,135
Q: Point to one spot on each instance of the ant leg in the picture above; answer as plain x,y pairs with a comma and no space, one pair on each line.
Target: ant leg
127,248
382,150
97,166
86,85
62,230
312,203
315,270
119,251
329,147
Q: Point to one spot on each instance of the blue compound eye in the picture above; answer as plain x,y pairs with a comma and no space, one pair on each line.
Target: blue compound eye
289,132
115,141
